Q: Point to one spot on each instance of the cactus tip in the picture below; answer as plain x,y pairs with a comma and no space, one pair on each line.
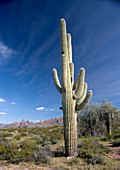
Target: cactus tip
53,69
62,19
62,22
82,68
90,91
68,34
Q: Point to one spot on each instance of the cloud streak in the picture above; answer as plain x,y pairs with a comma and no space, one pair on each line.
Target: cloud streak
5,52
40,108
44,109
2,100
13,103
2,113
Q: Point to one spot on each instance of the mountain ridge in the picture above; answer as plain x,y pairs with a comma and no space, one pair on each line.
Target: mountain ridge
23,123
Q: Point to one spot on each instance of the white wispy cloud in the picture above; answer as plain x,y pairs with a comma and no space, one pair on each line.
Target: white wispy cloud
2,100
13,103
40,108
5,52
2,113
51,109
44,109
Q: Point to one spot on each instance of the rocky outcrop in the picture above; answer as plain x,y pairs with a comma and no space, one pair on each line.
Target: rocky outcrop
49,122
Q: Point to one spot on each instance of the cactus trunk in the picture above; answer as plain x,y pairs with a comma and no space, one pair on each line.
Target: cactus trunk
109,124
69,103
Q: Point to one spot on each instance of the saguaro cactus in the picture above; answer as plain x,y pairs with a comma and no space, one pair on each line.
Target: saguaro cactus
70,92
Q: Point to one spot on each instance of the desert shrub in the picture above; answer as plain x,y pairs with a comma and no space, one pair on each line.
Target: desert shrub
116,142
11,129
37,139
59,152
8,149
2,134
105,138
60,166
46,142
94,119
6,134
116,134
42,156
96,159
23,130
24,134
93,145
28,144
106,149
92,151
18,136
25,151
54,141
74,161
56,134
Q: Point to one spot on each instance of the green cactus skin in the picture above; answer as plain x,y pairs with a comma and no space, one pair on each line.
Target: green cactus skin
69,103
109,122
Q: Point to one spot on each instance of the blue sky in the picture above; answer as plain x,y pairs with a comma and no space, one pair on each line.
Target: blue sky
30,49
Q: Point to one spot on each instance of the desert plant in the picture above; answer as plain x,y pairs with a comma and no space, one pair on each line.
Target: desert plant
96,159
42,156
92,151
69,106
99,120
59,152
116,142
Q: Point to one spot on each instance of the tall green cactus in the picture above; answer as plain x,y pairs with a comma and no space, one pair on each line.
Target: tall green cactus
69,103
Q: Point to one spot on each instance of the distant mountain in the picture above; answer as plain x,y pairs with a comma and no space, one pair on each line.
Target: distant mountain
42,123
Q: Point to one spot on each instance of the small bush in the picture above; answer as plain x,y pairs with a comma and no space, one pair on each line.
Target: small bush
59,152
54,141
6,134
17,136
105,138
24,134
92,151
46,142
96,159
117,136
37,139
74,161
116,142
8,149
42,156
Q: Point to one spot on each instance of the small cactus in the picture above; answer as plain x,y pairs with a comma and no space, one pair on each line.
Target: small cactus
71,91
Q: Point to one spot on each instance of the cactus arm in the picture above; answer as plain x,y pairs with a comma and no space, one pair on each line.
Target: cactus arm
71,65
69,45
64,72
64,53
79,101
72,72
63,37
80,87
56,81
76,83
85,101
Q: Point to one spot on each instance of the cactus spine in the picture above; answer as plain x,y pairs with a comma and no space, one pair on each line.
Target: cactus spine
69,97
